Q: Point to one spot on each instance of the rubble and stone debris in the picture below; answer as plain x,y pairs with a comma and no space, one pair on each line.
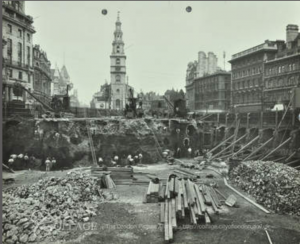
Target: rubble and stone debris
274,185
40,211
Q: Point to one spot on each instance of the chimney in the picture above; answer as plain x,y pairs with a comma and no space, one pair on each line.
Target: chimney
291,33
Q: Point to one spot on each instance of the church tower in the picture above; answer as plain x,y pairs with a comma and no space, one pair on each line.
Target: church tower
118,69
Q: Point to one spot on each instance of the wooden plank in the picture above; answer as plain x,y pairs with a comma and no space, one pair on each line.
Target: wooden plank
166,220
201,199
170,221
184,195
179,201
176,186
182,208
174,222
207,218
162,212
215,197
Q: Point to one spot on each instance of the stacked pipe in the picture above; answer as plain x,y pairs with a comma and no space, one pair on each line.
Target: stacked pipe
185,199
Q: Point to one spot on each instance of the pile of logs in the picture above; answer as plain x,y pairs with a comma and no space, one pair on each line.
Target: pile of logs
274,185
181,198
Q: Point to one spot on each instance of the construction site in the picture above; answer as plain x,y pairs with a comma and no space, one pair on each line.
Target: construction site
229,177
216,163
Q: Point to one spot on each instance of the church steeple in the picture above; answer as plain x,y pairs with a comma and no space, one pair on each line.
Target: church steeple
118,44
118,68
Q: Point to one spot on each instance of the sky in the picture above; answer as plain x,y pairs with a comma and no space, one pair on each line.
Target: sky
160,37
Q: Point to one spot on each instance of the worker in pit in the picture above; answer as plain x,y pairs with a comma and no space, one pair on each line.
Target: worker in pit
48,164
116,159
129,160
100,161
26,160
190,152
140,158
136,159
178,152
53,162
10,162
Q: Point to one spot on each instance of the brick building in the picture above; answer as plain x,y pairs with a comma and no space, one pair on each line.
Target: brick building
247,76
212,92
282,73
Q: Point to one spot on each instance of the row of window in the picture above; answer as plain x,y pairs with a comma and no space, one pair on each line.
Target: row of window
278,96
292,81
246,73
20,32
247,62
280,69
245,84
247,98
20,51
20,75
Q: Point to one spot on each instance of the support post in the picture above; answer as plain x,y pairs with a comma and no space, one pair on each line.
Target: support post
282,144
255,151
247,145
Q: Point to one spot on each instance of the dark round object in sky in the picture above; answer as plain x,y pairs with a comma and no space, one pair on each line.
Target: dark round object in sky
104,11
188,9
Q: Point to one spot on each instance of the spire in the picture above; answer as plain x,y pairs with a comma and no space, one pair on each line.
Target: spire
118,19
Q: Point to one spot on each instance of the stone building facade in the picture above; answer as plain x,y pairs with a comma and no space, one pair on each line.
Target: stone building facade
282,73
247,76
17,53
212,92
42,75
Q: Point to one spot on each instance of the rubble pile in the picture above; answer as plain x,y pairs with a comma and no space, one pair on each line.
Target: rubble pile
41,211
274,185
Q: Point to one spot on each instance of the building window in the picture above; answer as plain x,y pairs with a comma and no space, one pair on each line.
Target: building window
10,73
9,29
118,61
118,90
294,66
20,53
28,55
9,49
279,70
118,49
28,37
20,75
118,78
20,32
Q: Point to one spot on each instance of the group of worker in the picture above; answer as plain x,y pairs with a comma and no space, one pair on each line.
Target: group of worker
129,160
24,158
49,163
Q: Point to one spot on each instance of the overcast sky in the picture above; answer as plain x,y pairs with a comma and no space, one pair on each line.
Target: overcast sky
161,36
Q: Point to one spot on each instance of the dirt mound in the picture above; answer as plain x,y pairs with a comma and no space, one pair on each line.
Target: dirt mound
42,210
274,185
